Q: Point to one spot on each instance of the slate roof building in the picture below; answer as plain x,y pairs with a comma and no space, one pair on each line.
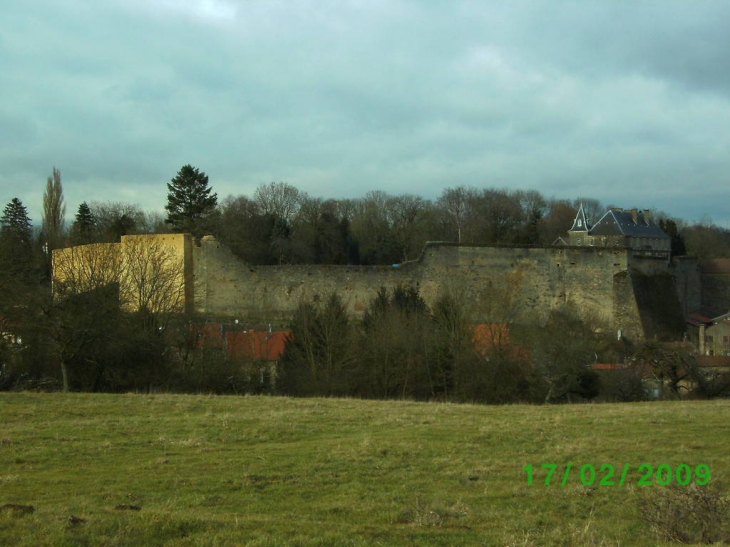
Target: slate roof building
631,229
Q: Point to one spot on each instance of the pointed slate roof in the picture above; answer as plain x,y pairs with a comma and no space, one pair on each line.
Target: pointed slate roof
581,223
628,223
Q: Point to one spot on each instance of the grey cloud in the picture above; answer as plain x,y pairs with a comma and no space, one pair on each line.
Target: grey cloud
684,43
601,99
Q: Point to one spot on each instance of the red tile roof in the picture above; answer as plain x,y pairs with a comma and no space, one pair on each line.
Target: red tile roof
608,366
256,346
209,335
248,345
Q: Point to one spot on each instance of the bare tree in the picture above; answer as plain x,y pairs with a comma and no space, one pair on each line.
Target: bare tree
672,364
371,228
246,230
593,209
153,222
85,268
556,222
496,217
152,278
707,241
280,199
115,219
534,208
407,214
283,202
562,351
455,201
102,289
85,301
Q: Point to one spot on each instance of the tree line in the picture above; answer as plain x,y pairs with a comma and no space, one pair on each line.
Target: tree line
280,224
404,349
89,340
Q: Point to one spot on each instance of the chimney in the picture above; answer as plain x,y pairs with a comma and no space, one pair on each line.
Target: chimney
702,339
647,216
635,215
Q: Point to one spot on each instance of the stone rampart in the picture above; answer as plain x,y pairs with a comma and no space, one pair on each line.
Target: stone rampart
715,276
688,283
498,283
638,296
226,286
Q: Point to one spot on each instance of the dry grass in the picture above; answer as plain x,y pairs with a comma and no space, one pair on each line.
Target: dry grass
267,471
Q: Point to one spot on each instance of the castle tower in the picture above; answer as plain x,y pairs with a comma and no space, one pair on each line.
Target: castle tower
579,231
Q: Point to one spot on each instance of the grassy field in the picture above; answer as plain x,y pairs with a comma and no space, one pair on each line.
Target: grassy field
146,470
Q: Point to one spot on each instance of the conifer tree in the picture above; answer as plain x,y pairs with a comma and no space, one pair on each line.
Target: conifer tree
83,227
189,201
16,238
16,223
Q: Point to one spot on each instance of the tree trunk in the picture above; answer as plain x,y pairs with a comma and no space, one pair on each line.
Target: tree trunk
64,374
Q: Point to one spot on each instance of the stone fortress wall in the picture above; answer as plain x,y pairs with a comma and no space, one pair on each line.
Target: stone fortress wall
636,295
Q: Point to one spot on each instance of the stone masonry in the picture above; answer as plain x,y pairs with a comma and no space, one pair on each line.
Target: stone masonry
627,293
633,295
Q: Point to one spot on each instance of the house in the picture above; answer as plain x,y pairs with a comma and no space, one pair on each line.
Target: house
250,346
710,332
256,349
240,342
632,229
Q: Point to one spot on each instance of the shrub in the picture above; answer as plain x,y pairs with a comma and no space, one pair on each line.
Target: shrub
688,514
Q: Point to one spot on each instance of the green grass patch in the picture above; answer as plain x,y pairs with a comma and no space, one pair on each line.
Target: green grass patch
263,471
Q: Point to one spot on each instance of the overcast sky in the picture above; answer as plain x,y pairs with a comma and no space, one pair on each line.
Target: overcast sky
624,101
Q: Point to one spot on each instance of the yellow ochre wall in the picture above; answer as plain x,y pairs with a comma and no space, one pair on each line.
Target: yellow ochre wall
152,270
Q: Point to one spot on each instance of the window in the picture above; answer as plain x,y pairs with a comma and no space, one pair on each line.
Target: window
726,339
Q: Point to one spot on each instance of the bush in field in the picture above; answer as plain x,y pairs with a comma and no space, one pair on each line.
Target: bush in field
688,514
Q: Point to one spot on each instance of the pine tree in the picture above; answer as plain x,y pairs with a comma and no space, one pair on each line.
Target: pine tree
16,223
16,237
189,201
82,230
